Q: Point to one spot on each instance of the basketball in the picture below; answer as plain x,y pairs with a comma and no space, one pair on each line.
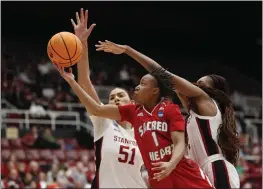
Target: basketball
64,49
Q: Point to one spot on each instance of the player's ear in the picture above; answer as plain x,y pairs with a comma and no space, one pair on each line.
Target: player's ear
156,90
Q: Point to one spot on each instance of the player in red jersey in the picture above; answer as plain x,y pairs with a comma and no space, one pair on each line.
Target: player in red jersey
159,131
211,132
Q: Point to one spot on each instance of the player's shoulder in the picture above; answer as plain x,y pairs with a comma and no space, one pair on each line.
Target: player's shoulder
171,108
169,104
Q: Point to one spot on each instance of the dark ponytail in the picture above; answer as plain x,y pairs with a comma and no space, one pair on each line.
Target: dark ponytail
228,139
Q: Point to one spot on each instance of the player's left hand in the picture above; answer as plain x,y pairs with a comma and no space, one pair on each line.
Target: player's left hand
81,28
164,168
110,47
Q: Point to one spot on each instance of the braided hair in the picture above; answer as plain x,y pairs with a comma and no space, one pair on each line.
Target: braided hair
164,84
227,133
228,139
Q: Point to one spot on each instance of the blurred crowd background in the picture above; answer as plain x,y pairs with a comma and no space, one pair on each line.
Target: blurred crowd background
46,135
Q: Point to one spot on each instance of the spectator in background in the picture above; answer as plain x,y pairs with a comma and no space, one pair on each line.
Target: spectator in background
30,138
134,77
90,173
34,169
85,161
53,185
42,180
101,77
25,76
52,174
36,109
13,181
34,184
47,140
79,175
28,179
124,74
21,170
44,68
48,136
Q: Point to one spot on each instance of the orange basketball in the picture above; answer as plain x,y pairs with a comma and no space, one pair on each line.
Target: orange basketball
64,49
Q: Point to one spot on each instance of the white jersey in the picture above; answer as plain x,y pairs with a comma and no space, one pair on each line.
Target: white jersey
118,159
203,148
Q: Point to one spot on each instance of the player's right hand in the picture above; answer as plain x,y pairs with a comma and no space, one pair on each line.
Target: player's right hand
81,28
68,76
110,47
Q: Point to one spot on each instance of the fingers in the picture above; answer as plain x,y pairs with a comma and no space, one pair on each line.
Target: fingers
157,175
109,42
91,28
56,67
99,49
102,43
160,176
82,18
86,18
103,49
73,23
62,70
158,164
77,18
103,46
157,168
70,70
105,43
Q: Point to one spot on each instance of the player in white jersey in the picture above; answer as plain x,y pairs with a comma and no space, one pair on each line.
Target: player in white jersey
211,128
118,159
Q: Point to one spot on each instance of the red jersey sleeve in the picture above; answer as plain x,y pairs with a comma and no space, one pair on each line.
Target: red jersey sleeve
127,112
175,118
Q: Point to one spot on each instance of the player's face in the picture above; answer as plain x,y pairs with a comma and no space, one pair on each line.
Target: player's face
146,89
119,97
206,81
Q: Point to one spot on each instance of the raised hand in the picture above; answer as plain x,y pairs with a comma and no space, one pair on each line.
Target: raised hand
81,28
110,47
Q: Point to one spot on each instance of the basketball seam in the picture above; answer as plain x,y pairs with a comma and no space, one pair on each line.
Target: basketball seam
76,46
66,49
56,51
69,62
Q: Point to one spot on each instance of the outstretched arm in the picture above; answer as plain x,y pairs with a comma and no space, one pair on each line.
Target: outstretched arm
83,33
107,111
181,85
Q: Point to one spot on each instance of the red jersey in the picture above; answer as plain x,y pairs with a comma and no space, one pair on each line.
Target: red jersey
153,130
153,135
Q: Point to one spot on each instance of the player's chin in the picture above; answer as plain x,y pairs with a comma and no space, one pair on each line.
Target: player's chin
137,100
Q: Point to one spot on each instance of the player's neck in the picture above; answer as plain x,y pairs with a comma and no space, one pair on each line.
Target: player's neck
151,105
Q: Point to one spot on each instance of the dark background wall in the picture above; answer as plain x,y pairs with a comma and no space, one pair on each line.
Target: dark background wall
190,38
